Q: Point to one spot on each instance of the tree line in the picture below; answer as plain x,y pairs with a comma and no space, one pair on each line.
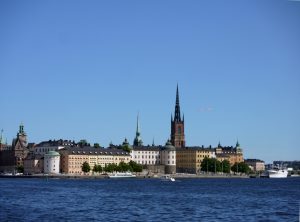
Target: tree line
214,165
112,167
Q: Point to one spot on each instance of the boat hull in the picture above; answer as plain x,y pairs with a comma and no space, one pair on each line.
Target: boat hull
278,173
121,175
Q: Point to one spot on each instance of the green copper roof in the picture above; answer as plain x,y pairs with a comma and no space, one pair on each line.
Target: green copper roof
169,146
52,153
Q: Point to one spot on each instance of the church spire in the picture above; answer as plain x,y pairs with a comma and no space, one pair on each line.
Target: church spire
1,137
177,96
137,126
137,140
177,117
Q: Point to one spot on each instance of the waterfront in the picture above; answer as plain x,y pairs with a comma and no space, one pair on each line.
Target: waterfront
149,200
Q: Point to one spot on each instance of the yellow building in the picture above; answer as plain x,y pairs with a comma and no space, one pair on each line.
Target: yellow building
230,153
189,159
72,158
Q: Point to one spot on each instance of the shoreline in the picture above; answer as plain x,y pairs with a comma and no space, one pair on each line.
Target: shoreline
177,176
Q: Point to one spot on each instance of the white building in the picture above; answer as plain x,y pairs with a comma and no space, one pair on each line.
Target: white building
146,155
156,155
51,162
168,158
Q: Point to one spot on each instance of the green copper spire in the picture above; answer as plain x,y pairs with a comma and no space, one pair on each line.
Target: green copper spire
137,126
237,144
1,136
21,128
137,140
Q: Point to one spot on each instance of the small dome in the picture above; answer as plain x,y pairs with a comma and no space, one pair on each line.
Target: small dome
169,146
52,153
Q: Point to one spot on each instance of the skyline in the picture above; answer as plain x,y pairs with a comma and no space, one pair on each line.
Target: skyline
84,71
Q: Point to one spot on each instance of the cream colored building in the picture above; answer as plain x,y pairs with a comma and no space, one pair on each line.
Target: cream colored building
189,159
72,158
256,165
34,164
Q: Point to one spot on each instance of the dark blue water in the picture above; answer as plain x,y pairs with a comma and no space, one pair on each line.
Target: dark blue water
150,200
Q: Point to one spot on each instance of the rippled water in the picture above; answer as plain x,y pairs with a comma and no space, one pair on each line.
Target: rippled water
150,200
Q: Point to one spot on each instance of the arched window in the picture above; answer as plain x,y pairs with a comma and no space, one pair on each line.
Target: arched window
179,130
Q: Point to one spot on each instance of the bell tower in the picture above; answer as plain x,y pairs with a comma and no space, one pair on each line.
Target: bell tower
177,125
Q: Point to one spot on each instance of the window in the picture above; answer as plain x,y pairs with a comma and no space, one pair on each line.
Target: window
179,130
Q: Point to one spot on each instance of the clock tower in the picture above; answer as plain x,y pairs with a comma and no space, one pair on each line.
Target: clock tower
177,125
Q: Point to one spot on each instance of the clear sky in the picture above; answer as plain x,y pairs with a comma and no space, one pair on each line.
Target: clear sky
84,69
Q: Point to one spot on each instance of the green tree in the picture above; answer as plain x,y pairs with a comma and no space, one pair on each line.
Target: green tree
135,166
241,168
20,169
126,148
225,164
96,145
86,167
97,168
124,167
83,143
211,165
111,167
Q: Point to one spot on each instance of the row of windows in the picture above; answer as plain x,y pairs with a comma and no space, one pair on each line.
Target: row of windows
149,157
148,152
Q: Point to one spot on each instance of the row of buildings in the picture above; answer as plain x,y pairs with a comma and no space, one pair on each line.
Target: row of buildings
66,156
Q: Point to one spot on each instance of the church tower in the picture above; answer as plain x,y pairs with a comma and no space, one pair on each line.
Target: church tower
177,125
138,139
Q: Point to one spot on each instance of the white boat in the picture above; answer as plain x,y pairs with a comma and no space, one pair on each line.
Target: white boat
167,178
277,173
122,175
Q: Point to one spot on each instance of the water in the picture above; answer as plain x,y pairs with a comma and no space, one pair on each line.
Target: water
149,200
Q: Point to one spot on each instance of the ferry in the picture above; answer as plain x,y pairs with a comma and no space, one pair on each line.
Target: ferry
277,173
122,175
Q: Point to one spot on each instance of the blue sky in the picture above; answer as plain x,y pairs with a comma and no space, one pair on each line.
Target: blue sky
84,69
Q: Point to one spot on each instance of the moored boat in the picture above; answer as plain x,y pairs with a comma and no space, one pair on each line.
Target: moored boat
277,173
167,178
121,175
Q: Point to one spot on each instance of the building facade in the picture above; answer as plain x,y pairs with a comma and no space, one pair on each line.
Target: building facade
72,158
12,157
189,159
146,155
256,165
230,153
168,158
52,162
33,164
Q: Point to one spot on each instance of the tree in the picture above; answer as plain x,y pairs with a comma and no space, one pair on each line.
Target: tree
211,165
126,148
86,167
241,168
123,167
97,168
20,169
225,164
96,145
83,143
111,167
135,166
